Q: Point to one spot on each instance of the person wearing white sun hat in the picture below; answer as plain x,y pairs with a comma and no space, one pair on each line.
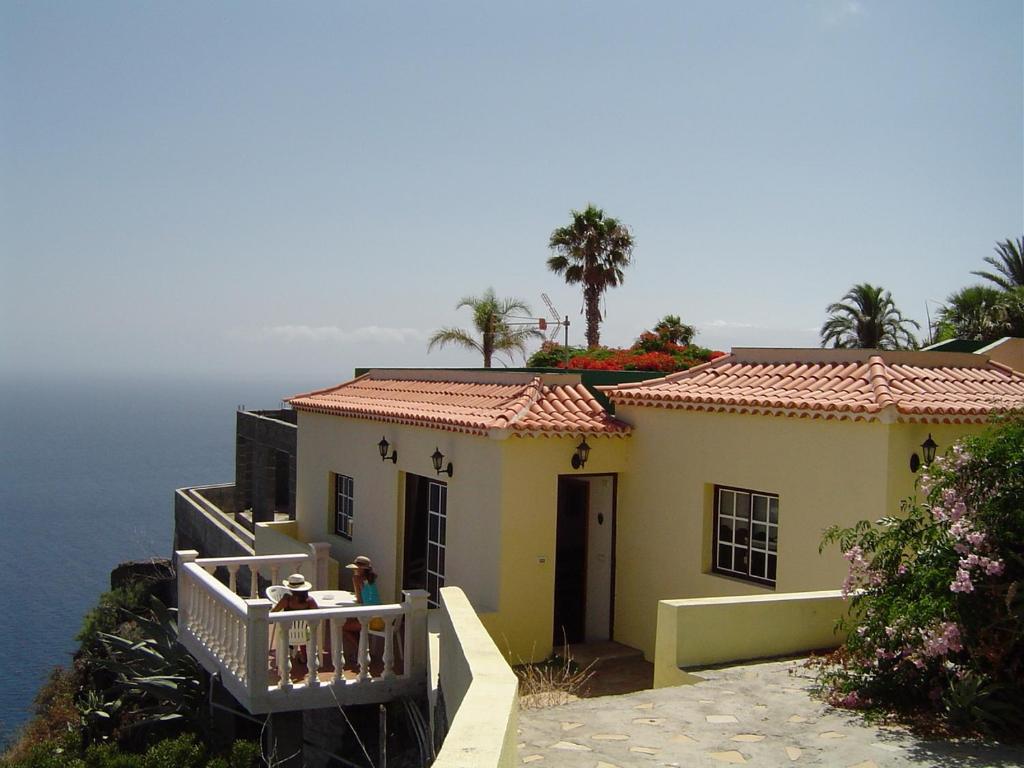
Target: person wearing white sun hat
297,598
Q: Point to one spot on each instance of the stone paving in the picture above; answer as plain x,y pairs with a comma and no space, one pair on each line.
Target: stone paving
758,715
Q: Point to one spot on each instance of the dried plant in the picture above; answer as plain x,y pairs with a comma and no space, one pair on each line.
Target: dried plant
549,683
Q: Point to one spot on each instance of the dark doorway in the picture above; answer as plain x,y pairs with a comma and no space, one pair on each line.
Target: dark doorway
414,562
571,561
423,562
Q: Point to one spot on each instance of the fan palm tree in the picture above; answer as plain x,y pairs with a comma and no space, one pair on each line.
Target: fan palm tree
976,312
593,250
490,320
672,329
867,318
1008,262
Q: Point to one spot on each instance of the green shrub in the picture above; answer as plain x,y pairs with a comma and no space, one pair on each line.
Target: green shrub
111,611
243,754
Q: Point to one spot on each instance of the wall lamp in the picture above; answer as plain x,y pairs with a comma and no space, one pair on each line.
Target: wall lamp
927,454
438,459
383,446
579,458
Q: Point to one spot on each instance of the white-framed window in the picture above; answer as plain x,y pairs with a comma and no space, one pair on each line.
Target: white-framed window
746,534
344,503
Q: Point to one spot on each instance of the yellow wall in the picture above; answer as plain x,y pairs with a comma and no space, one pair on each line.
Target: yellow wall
335,444
703,631
523,625
905,439
825,472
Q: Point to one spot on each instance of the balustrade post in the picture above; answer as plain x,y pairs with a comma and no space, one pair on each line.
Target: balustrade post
415,656
321,553
364,649
233,579
257,650
313,655
182,557
254,582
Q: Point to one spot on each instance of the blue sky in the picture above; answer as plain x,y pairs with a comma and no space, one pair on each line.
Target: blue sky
250,188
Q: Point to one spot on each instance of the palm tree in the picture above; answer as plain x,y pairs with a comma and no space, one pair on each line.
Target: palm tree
867,318
593,250
976,312
490,319
670,328
1008,262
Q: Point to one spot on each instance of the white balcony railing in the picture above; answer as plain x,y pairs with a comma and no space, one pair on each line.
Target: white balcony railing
231,635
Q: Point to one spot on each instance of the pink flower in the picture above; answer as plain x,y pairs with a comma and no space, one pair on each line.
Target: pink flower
962,583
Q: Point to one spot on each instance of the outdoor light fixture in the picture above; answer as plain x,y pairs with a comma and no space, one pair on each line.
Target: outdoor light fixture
439,467
579,459
928,449
383,446
927,452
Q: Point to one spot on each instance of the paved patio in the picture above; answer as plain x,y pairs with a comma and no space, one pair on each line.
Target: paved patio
758,715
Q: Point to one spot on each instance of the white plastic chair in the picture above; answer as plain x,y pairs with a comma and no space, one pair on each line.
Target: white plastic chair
298,631
396,626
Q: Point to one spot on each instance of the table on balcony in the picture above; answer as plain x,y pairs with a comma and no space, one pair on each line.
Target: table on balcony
333,598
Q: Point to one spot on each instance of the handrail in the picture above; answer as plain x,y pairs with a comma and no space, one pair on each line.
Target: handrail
346,612
253,560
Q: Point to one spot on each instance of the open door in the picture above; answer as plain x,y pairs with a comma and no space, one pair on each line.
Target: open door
584,566
423,560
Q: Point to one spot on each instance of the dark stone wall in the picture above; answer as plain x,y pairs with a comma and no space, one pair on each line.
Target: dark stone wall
265,448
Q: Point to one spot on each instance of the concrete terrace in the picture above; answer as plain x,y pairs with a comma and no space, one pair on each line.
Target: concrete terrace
758,714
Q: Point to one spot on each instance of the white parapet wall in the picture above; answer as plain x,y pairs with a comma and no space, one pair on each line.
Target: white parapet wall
479,690
701,632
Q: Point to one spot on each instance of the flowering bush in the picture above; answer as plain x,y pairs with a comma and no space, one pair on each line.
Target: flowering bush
937,613
649,353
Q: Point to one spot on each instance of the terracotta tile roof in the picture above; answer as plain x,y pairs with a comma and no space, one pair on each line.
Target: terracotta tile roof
468,401
903,386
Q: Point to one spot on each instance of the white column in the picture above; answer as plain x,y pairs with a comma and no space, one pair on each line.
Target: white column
182,557
321,552
257,652
416,633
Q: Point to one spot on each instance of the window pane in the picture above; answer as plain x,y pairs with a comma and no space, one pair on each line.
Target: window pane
742,533
444,524
760,508
725,530
773,538
435,497
440,561
760,536
741,559
771,567
432,557
435,528
725,502
724,557
743,505
757,564
773,510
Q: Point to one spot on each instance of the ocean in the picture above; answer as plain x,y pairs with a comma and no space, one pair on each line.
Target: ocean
88,468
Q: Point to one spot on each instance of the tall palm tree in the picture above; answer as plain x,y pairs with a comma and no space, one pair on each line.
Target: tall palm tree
1008,262
490,320
593,250
867,318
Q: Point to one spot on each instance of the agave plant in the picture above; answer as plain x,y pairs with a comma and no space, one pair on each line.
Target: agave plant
155,680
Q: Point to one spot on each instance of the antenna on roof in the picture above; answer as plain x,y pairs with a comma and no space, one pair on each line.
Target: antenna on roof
558,322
